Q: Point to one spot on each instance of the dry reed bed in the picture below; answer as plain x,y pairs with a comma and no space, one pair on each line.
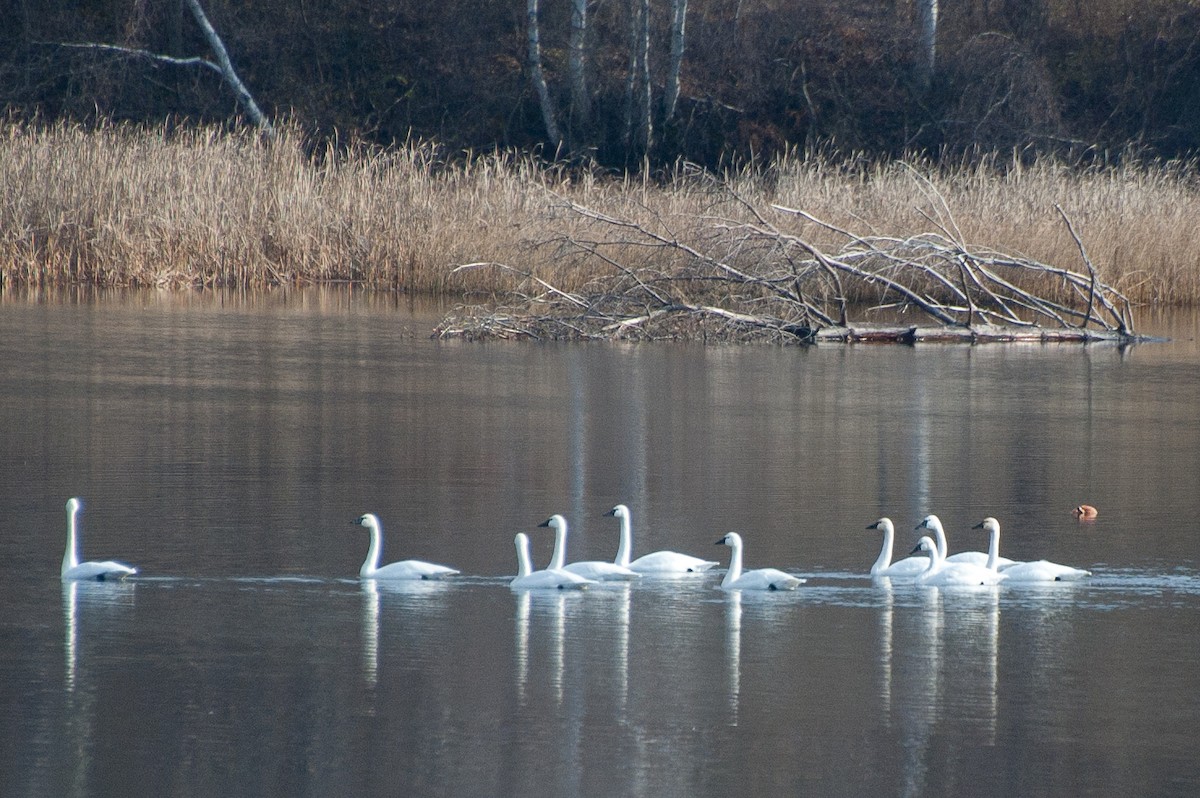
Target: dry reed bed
132,206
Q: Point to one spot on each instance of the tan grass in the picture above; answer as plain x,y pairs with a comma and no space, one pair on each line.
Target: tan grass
129,206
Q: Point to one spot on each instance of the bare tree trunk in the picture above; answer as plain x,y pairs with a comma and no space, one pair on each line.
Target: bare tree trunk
539,77
927,18
631,74
646,126
671,95
227,70
580,101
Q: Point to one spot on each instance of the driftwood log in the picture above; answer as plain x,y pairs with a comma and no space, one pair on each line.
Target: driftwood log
747,279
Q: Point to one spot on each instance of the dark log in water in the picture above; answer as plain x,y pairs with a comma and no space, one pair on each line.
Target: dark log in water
983,334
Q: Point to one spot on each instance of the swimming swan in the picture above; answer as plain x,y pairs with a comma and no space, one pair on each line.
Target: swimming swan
906,568
74,570
405,569
939,573
759,579
529,579
660,562
588,569
932,522
1037,571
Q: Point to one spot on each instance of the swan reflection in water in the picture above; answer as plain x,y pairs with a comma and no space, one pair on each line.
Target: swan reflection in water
944,659
733,651
93,604
370,626
417,591
551,608
92,614
540,631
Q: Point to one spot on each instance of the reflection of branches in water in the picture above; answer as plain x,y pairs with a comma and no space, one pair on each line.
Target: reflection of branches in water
747,279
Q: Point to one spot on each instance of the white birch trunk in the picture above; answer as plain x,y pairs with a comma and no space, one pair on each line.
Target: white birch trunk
631,75
577,49
671,95
646,124
927,14
227,71
538,76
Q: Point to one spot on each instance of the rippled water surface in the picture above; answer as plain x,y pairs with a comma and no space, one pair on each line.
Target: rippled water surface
225,444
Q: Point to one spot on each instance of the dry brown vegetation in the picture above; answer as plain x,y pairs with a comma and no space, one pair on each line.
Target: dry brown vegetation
140,207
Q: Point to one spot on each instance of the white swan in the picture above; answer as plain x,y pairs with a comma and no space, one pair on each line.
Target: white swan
1036,571
758,579
932,522
659,562
589,569
906,568
74,570
405,569
939,573
529,579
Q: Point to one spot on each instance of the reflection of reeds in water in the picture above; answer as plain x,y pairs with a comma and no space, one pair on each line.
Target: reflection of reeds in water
122,206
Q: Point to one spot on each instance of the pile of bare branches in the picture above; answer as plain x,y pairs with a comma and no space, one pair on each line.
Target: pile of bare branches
747,279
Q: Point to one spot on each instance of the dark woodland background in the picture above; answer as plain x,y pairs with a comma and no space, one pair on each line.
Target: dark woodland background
1083,79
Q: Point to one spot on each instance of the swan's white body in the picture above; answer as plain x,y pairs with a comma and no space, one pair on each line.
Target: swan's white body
529,579
595,570
1036,571
405,569
907,568
933,523
72,569
939,573
758,579
659,562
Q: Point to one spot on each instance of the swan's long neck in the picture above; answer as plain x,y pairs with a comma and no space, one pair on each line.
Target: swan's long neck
559,558
940,535
935,560
371,564
626,544
993,547
71,555
524,568
885,553
735,563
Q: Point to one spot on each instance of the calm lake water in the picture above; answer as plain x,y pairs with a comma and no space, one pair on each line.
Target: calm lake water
224,444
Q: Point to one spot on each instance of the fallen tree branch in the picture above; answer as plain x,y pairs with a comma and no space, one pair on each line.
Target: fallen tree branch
749,279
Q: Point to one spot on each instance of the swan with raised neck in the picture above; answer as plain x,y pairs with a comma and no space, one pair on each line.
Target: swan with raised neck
404,569
940,573
1035,571
907,567
589,569
759,578
659,562
529,579
933,523
72,569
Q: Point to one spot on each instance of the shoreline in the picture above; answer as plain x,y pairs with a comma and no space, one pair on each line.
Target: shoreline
138,207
